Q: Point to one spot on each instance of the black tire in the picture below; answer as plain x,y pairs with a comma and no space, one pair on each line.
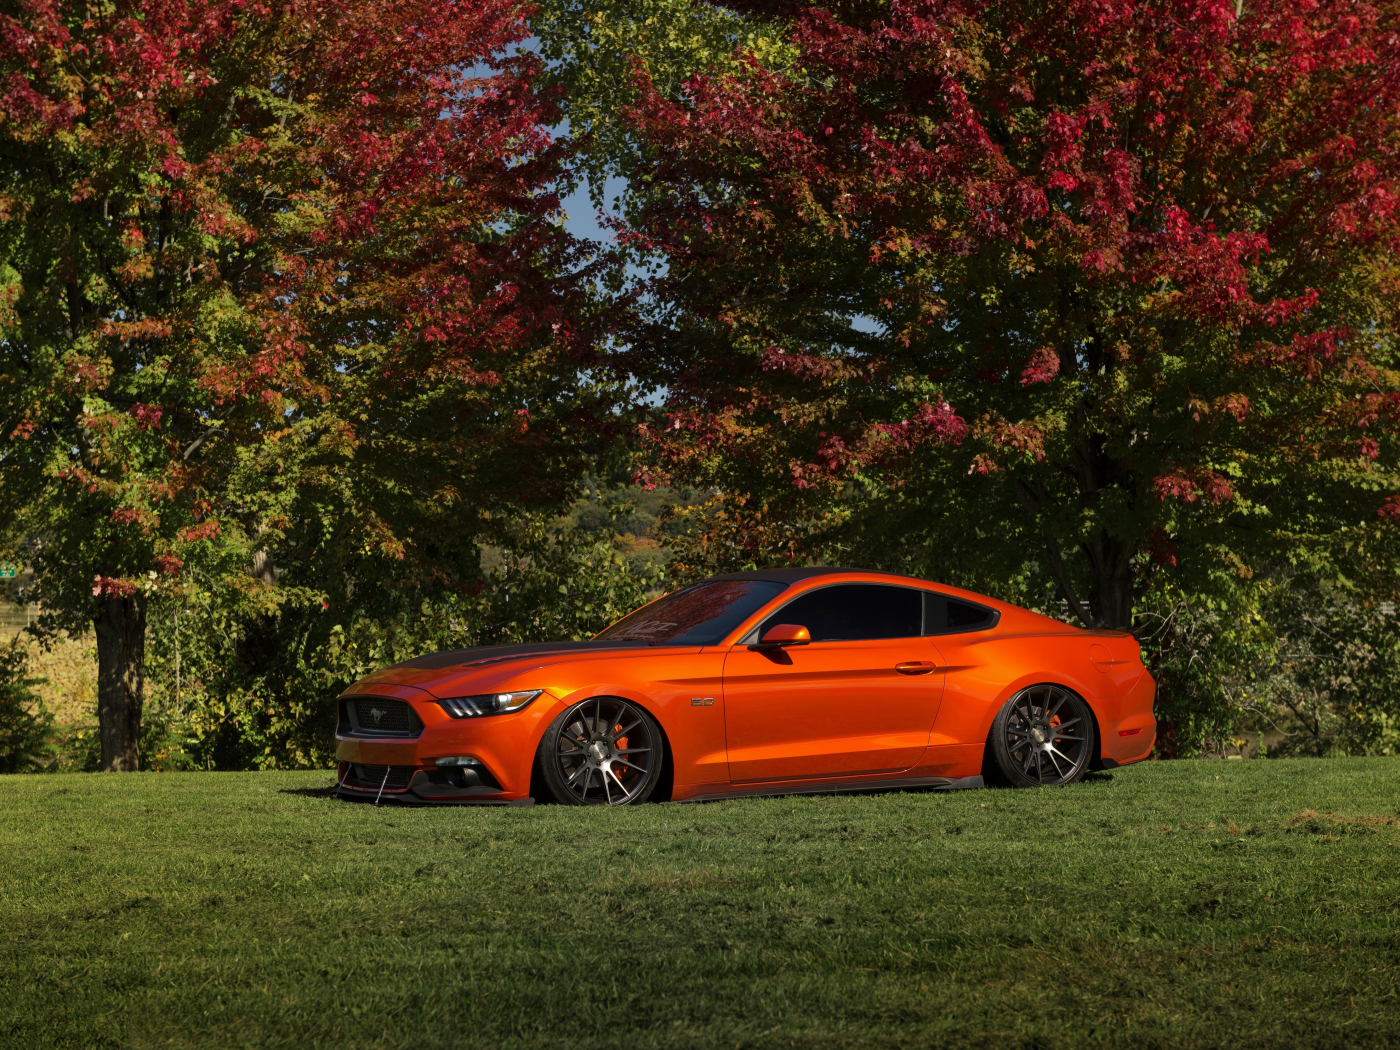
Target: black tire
602,751
1043,737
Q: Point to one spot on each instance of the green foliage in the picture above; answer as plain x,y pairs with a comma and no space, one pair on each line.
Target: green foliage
1312,663
236,683
1171,905
552,585
286,290
201,354
1335,658
641,522
595,47
232,343
1210,656
734,533
26,725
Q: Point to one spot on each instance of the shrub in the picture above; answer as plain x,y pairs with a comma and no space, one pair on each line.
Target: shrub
26,725
256,683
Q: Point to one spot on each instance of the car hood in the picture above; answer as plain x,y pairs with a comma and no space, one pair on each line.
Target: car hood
456,672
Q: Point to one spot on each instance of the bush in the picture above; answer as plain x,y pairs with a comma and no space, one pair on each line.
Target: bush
1334,682
1207,654
26,725
256,681
1314,662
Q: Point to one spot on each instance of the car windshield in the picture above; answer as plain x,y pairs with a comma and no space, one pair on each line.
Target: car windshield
699,615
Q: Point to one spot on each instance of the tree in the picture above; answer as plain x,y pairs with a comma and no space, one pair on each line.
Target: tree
1027,294
284,288
593,45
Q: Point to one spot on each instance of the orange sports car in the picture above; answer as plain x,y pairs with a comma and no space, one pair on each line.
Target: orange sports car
757,683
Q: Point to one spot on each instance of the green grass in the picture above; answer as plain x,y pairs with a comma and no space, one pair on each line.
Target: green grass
1189,904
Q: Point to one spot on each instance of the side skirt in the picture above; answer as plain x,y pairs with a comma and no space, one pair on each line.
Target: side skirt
843,788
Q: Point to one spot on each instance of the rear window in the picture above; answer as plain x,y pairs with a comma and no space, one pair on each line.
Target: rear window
698,615
945,615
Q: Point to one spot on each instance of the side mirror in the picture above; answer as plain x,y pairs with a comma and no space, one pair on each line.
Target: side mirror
786,634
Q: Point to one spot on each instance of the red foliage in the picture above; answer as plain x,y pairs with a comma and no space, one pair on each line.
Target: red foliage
168,564
1042,367
931,424
112,587
147,416
205,530
1130,240
1193,484
241,221
1161,548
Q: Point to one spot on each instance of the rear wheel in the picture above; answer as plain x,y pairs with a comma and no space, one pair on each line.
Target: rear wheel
1043,737
603,751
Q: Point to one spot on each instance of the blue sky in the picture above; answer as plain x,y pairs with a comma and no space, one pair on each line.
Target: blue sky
582,216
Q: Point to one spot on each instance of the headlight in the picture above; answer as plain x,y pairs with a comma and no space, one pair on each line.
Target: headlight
487,703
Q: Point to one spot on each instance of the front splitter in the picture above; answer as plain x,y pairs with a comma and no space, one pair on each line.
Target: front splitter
408,798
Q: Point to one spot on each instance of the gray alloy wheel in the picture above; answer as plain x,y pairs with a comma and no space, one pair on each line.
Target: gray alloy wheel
1043,737
603,751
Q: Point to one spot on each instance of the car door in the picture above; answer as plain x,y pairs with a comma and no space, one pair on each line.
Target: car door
860,699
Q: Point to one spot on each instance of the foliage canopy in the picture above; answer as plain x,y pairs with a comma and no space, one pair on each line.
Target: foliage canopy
1036,296
284,289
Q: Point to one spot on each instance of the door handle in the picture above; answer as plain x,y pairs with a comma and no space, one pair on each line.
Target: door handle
915,667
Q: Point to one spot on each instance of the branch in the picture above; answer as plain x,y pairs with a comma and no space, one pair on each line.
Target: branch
194,445
1052,555
1057,569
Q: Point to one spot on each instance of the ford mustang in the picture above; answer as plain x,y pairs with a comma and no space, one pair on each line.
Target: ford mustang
757,683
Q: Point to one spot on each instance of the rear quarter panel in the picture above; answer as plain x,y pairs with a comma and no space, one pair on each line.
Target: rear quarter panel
1130,730
1124,702
987,669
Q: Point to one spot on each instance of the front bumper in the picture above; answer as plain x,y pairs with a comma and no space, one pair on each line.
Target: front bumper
405,769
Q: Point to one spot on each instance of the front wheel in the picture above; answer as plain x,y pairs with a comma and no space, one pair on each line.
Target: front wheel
1043,737
603,751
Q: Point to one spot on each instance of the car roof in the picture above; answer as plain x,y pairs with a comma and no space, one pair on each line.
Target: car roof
798,575
793,576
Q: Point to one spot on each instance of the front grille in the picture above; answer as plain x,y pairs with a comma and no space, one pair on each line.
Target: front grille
377,716
373,776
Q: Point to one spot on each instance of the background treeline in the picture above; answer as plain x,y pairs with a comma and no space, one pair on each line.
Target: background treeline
1286,665
1090,309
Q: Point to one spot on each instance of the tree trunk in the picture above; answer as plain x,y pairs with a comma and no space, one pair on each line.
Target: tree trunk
1111,581
121,679
263,567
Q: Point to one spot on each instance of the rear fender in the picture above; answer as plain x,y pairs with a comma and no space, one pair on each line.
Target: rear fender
982,727
1116,661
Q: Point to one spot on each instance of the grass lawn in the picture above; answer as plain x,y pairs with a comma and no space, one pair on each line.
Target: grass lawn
1188,904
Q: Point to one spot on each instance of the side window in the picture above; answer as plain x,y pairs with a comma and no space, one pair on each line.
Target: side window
944,615
854,612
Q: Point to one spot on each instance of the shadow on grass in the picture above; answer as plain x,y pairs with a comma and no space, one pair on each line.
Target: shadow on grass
325,792
1095,777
